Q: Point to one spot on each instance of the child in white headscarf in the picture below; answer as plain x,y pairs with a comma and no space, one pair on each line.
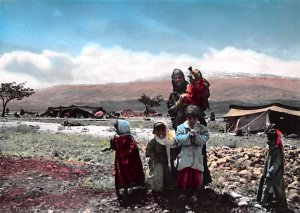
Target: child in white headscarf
162,151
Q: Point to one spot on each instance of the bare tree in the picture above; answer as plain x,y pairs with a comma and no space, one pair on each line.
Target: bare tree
10,91
150,102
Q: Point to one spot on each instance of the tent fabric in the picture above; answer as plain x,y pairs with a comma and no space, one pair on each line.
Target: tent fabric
258,118
240,112
248,123
73,111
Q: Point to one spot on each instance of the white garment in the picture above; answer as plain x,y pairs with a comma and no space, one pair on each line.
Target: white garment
168,141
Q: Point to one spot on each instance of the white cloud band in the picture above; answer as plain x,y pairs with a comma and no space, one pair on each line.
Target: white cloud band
98,65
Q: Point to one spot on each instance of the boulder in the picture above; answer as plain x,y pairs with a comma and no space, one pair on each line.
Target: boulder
221,161
242,180
257,171
293,185
293,195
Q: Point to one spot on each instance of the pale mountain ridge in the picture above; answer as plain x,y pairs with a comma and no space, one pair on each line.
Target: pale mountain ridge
217,74
117,96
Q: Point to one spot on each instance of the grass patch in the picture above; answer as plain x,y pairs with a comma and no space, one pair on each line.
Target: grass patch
25,141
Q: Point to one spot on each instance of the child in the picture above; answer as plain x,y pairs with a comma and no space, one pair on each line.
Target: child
191,135
272,179
197,92
128,166
162,152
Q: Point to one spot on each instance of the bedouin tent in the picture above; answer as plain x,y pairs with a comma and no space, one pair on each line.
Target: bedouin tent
72,111
257,118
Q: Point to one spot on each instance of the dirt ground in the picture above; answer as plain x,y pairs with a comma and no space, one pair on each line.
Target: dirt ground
46,172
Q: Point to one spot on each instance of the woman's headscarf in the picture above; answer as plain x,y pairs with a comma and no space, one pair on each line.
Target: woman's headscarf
179,88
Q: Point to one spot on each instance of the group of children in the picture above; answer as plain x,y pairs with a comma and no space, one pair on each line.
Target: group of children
163,151
178,160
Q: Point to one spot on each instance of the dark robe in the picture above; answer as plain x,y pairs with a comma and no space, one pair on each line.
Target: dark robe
163,177
128,166
275,168
177,114
178,117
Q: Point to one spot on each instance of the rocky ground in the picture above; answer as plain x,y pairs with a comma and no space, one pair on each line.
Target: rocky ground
238,170
46,172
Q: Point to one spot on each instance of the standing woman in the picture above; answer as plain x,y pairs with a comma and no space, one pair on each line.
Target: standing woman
176,112
128,165
191,135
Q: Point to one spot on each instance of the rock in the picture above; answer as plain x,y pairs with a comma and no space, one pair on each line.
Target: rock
247,163
235,195
257,171
245,174
227,165
242,180
258,155
293,185
243,203
213,165
258,206
166,211
221,161
294,196
220,154
240,161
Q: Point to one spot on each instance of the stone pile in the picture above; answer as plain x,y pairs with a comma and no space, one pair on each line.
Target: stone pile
240,169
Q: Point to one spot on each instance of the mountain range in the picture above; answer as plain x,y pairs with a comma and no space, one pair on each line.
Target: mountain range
225,90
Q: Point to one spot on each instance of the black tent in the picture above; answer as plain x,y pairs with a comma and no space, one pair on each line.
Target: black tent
72,111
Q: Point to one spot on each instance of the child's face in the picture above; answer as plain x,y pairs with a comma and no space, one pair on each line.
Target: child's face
272,137
192,120
160,132
192,80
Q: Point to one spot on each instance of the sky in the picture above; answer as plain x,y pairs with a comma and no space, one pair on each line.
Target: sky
48,43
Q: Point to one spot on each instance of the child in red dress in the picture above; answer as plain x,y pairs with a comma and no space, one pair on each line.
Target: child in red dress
128,165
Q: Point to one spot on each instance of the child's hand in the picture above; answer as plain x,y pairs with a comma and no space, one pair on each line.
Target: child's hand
182,96
192,133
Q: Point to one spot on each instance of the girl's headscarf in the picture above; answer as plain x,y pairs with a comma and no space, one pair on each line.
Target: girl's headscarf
279,139
122,127
168,141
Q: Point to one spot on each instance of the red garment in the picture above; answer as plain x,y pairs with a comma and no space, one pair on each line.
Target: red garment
189,178
196,93
279,139
128,166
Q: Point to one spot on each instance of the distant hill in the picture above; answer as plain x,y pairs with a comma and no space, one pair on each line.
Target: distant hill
117,96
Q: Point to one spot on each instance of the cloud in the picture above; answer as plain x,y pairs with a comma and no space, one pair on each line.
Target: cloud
235,60
97,65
